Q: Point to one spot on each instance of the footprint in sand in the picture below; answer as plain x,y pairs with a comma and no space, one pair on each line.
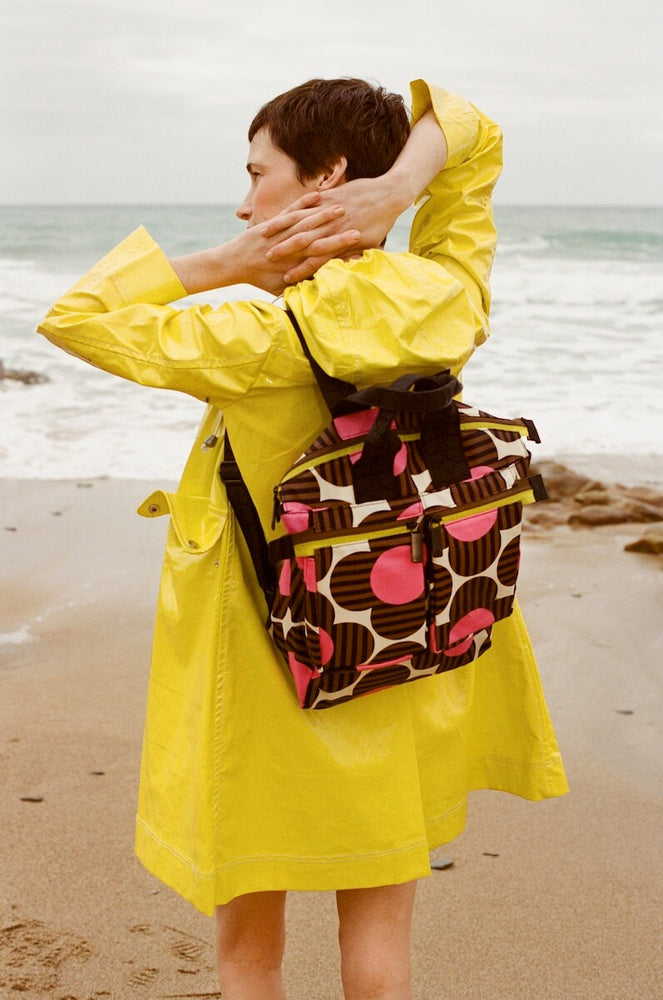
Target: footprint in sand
143,977
195,954
32,956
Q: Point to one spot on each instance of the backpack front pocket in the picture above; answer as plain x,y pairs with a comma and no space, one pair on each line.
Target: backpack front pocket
361,604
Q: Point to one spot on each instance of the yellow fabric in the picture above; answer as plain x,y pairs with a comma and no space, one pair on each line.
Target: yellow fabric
241,790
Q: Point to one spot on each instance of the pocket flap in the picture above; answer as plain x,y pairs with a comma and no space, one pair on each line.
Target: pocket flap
197,523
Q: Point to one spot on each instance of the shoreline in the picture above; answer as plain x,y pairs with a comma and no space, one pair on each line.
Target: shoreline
563,887
629,470
610,467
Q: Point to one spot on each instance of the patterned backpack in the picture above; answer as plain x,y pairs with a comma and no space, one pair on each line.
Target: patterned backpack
402,542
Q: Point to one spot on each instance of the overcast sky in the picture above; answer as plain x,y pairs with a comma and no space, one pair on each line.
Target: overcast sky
149,100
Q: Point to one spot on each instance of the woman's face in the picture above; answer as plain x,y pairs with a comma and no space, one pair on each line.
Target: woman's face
274,181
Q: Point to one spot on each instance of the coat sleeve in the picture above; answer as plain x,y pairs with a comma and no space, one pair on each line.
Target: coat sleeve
117,318
418,315
454,225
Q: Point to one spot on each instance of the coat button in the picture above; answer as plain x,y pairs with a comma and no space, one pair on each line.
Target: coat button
192,544
154,508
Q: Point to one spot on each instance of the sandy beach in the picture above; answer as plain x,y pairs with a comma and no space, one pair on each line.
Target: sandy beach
560,899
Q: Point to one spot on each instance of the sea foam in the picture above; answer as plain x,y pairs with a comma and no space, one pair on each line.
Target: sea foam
577,322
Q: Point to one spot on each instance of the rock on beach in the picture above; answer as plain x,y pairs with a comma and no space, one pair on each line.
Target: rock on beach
582,502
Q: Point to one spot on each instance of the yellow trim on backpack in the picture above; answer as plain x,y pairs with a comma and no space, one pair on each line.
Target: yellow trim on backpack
310,547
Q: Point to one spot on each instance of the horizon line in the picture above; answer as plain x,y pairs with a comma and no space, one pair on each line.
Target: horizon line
231,204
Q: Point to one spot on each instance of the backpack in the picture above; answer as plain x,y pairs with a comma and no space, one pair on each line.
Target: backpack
402,536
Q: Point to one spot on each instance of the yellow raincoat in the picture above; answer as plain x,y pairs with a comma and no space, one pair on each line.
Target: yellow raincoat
241,790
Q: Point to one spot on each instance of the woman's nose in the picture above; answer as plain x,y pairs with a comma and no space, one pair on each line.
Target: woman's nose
243,210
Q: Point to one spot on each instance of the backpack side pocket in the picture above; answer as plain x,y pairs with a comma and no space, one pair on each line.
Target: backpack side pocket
473,569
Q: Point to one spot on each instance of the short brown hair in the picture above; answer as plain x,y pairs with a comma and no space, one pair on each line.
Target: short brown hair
319,121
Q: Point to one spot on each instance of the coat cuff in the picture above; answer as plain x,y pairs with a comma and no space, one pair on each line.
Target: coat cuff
136,270
457,118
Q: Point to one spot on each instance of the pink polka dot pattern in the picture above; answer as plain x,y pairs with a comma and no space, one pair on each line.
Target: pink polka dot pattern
468,529
326,647
395,579
470,623
284,578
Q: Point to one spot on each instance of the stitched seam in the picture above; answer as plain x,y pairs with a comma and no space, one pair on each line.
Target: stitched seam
157,360
288,859
545,762
449,812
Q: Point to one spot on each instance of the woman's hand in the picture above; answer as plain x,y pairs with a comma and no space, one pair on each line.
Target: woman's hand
313,230
249,258
362,212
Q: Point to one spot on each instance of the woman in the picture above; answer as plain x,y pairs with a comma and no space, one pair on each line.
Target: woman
244,795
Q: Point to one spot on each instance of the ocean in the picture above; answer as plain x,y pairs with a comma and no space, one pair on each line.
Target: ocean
577,323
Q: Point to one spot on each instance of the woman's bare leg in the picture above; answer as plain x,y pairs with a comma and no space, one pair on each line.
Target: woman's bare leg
374,934
250,940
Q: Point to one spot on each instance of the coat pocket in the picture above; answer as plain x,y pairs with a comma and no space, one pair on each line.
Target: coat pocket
196,522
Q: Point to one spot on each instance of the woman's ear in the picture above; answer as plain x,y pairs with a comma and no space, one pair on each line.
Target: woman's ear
333,177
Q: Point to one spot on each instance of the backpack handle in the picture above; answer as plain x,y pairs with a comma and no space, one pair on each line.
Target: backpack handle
408,394
441,444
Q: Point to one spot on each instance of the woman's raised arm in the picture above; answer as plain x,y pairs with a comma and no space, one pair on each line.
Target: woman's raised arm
338,222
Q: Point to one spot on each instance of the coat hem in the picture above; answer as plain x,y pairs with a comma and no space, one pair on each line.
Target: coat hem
534,780
207,889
